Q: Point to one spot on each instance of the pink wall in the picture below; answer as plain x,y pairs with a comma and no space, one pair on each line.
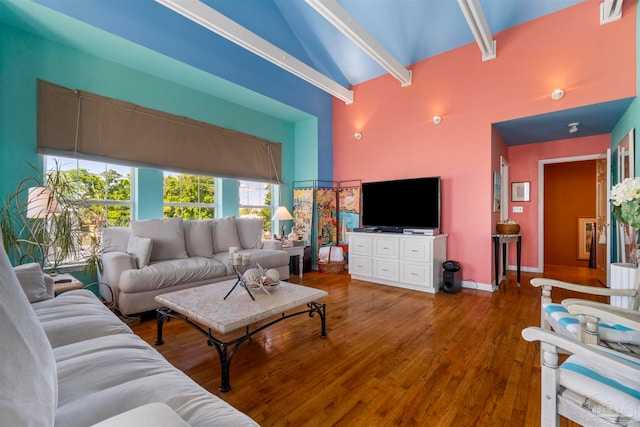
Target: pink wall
523,166
567,49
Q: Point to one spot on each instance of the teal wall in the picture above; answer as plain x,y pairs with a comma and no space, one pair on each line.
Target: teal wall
630,119
26,58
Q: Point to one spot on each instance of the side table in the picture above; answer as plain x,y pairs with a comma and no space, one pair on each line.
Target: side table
502,240
299,252
69,283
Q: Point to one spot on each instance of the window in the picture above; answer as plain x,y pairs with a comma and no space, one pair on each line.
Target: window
256,202
189,196
101,191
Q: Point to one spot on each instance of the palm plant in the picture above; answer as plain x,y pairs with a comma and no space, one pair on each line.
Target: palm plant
52,233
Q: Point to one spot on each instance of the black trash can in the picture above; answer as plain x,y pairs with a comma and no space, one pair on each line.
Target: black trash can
451,277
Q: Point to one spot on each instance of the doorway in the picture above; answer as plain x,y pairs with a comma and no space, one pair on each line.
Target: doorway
569,199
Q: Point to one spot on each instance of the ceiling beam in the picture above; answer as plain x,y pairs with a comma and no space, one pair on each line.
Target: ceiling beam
610,10
214,21
474,15
343,21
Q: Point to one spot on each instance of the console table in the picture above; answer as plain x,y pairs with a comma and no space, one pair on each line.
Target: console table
502,240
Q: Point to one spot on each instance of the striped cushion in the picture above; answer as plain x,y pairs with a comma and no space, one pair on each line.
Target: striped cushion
608,394
567,324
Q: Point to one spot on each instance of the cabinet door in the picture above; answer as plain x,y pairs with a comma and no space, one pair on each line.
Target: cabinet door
416,274
385,269
359,266
359,245
412,249
386,247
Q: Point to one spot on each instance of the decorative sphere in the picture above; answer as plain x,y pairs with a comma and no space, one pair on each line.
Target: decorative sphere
251,276
272,275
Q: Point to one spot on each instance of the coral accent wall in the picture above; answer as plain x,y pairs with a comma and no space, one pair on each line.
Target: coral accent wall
567,49
524,165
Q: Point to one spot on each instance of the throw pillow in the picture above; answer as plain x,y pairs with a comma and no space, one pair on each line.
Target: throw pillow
198,238
140,248
28,368
167,235
250,232
225,234
31,279
115,239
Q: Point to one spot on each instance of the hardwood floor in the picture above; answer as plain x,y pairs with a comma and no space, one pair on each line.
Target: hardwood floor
391,357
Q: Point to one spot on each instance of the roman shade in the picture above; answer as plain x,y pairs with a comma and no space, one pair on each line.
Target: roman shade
86,125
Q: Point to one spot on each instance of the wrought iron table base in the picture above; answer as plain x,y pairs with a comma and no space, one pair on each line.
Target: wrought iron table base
226,349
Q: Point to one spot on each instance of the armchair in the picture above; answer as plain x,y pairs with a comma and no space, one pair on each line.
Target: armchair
589,321
593,386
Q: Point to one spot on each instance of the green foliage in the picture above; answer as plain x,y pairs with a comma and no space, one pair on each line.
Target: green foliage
191,191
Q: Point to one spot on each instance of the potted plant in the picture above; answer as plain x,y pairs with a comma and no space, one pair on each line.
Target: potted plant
42,222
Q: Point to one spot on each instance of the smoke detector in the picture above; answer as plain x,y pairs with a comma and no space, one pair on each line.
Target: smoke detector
573,127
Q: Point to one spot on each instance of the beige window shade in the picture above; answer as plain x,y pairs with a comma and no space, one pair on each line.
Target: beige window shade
86,125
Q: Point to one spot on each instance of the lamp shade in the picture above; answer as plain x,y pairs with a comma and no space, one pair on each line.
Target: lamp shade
282,214
41,202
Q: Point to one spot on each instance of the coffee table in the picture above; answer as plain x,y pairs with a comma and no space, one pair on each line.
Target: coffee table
205,309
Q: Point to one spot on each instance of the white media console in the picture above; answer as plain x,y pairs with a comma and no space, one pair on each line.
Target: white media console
406,261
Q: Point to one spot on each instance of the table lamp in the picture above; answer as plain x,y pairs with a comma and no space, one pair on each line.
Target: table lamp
282,214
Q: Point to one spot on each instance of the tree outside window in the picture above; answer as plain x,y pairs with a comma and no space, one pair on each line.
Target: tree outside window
189,196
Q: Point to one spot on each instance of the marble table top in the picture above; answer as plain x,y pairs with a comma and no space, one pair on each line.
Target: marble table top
206,304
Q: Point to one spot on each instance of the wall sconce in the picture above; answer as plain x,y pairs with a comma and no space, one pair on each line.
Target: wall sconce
358,136
557,94
437,120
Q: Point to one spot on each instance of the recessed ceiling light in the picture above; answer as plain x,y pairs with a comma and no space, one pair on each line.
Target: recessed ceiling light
557,94
573,127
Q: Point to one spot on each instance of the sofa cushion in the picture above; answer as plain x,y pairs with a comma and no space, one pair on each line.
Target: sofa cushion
28,381
117,373
140,248
31,279
165,274
167,235
115,239
225,234
77,316
250,232
198,238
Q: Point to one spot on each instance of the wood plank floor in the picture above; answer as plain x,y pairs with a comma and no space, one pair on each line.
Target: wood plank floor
391,357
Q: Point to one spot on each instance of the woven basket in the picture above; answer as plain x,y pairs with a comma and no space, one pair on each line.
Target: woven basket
331,267
508,228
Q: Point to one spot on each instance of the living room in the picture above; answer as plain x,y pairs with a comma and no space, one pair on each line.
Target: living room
593,63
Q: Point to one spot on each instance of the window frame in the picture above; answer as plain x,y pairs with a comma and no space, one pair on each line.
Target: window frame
199,205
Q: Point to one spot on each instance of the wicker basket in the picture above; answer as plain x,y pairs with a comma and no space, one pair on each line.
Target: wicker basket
507,228
331,267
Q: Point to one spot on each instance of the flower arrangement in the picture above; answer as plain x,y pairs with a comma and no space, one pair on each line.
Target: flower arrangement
625,197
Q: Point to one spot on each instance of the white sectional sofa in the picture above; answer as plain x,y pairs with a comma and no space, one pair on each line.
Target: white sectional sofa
68,361
157,256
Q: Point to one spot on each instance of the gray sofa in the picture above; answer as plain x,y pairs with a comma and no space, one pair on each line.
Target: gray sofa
69,361
157,256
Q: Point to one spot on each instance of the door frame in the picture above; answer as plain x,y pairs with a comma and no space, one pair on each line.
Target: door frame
541,164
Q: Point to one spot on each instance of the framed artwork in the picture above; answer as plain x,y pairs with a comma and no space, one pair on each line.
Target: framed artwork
496,192
520,191
585,235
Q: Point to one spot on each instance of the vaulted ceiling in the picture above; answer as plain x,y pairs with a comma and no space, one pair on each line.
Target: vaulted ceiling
334,54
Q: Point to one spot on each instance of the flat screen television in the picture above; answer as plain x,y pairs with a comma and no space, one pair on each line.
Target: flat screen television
399,205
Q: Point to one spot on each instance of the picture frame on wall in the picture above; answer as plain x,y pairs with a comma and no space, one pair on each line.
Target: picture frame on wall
520,191
585,236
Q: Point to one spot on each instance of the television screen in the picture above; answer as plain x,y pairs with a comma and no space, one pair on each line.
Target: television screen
401,204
